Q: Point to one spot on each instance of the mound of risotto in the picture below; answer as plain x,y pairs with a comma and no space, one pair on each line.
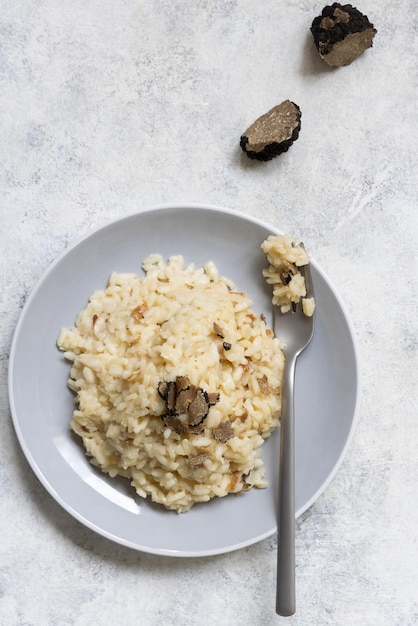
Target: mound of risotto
285,256
177,383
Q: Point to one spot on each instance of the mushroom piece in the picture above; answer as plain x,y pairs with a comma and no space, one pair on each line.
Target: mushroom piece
285,277
213,398
187,405
184,398
246,486
176,423
162,389
197,460
196,430
199,408
182,383
341,34
223,432
273,133
171,396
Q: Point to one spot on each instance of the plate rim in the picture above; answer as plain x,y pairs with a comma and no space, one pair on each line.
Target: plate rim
12,360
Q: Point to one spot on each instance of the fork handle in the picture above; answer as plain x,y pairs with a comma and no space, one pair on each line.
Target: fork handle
285,590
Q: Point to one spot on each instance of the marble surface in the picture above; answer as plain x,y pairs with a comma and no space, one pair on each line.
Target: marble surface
111,106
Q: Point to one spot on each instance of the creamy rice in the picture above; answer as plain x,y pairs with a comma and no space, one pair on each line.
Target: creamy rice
142,338
285,256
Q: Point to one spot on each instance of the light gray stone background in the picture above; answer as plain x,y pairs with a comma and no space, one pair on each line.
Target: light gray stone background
111,106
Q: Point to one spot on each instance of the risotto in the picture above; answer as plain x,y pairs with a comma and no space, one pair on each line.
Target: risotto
285,257
177,383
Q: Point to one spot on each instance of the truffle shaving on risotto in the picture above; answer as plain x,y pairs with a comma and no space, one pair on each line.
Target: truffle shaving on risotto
177,383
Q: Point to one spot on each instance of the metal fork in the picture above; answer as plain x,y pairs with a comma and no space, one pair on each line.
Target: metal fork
295,331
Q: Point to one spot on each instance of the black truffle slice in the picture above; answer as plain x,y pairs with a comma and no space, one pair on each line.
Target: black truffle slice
273,133
199,408
167,391
198,460
177,424
341,34
213,398
184,399
182,382
162,389
223,432
187,405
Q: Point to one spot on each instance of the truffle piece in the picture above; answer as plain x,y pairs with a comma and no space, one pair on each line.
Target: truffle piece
187,405
273,133
184,399
341,34
199,408
246,486
177,424
197,460
182,382
218,330
223,432
286,257
171,396
162,389
167,391
213,398
196,430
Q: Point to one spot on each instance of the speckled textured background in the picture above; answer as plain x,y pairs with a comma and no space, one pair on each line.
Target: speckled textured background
109,107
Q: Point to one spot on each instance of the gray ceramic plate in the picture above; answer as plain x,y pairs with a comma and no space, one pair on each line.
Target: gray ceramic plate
326,385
